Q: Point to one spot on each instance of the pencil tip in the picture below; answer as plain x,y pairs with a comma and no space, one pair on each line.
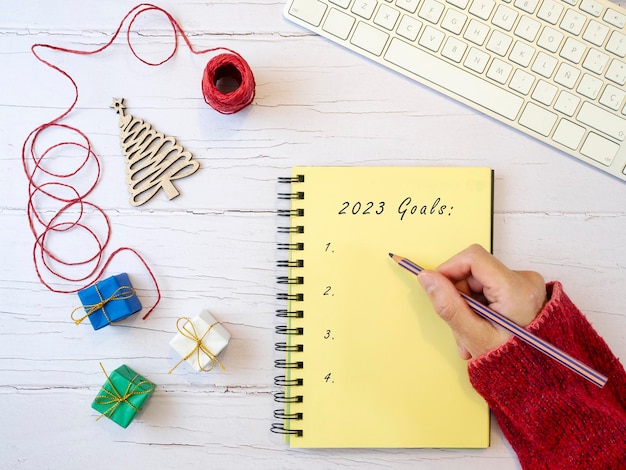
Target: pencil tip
391,255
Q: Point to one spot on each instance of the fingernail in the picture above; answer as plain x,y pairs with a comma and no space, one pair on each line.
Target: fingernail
427,281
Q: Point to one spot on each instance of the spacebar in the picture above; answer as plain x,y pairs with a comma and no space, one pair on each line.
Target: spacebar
454,79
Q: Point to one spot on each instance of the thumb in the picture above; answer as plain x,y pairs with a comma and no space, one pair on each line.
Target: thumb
472,333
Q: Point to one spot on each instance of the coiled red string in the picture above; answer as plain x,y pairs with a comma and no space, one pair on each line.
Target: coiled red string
232,68
58,187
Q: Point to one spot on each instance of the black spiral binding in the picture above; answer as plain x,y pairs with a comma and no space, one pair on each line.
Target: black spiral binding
284,427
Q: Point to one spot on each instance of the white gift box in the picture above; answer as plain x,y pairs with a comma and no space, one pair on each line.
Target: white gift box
199,340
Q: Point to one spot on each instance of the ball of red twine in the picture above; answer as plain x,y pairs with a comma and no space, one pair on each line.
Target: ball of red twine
228,83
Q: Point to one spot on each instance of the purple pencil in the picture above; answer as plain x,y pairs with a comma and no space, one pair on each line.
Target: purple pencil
538,343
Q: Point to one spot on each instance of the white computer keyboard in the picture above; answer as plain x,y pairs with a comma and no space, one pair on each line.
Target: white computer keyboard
554,69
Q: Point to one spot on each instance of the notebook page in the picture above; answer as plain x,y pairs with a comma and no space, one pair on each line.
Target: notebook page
380,368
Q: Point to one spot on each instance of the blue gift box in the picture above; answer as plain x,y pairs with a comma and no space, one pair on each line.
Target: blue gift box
109,300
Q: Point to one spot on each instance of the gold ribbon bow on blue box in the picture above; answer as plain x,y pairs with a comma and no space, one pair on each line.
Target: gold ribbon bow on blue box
107,301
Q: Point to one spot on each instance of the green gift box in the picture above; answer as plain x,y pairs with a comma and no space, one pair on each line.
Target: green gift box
122,395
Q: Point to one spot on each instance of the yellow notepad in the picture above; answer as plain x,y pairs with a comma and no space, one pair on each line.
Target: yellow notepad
368,363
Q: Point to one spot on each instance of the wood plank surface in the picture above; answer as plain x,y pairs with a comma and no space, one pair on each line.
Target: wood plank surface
214,246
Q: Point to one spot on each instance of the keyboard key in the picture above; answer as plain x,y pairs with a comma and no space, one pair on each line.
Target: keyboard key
499,71
311,11
617,44
521,53
528,6
369,38
409,27
589,86
504,17
341,3
544,64
538,119
527,28
573,22
476,32
544,92
592,7
569,134
453,21
386,17
617,72
612,97
602,120
615,18
521,81
431,38
338,23
462,4
408,5
567,103
595,61
452,78
550,39
499,43
364,8
599,149
550,11
482,8
476,60
573,50
431,11
596,33
454,49
566,75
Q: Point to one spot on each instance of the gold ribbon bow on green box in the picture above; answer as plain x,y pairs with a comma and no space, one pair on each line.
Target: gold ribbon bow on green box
199,341
122,395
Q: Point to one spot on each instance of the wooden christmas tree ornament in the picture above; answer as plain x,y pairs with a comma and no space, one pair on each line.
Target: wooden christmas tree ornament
153,160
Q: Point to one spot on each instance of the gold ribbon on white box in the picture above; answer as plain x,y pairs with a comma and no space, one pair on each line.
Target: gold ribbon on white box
193,345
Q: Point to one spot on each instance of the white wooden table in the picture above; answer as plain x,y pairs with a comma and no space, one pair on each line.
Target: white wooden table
213,247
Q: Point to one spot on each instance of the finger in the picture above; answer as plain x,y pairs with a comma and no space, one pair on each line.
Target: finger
519,295
521,298
475,265
474,335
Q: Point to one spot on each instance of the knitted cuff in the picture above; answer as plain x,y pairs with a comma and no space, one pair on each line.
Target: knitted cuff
515,362
552,417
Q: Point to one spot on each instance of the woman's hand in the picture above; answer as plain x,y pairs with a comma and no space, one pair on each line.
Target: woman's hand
518,295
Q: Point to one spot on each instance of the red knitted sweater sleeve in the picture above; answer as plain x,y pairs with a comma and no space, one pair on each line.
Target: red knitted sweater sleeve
553,418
